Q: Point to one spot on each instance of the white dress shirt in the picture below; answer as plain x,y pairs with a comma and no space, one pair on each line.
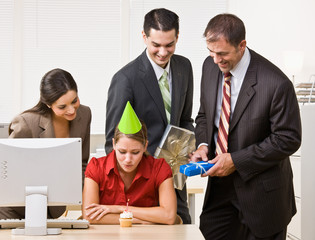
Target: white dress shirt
238,75
159,71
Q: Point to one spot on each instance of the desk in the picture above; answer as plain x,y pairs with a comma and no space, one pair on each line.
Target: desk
113,232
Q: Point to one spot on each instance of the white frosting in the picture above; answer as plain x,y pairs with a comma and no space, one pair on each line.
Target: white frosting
126,214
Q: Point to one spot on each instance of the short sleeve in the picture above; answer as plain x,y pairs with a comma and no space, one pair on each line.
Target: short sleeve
93,169
163,172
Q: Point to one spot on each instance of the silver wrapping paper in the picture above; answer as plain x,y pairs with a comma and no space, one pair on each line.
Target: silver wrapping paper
175,146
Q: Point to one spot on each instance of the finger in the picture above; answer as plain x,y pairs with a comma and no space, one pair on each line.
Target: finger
195,157
90,211
204,175
100,215
215,160
97,213
91,206
203,156
103,213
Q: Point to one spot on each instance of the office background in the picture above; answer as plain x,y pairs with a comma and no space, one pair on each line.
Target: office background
94,39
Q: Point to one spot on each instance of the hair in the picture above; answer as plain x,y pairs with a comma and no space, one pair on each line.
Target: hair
54,84
140,136
160,19
225,25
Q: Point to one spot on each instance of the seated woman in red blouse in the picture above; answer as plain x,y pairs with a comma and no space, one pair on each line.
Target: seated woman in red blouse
129,175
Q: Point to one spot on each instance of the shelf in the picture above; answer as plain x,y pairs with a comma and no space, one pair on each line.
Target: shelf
305,92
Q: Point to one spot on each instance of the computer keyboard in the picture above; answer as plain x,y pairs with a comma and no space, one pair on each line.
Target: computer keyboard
51,223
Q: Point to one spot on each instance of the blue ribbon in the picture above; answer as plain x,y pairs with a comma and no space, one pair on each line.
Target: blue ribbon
197,164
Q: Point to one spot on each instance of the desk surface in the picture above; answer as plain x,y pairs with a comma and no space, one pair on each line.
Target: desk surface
116,232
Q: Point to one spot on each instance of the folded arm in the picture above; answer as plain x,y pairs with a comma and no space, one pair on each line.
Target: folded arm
96,213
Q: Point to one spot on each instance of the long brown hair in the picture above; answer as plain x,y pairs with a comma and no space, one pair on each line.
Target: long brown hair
53,85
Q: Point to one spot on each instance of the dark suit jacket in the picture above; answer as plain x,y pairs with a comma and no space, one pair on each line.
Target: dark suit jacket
137,83
264,131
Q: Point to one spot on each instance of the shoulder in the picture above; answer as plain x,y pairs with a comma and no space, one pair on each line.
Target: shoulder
180,59
84,110
96,166
266,69
84,114
97,162
26,124
263,64
132,67
209,63
28,118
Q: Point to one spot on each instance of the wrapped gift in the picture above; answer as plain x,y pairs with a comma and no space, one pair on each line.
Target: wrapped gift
195,168
175,146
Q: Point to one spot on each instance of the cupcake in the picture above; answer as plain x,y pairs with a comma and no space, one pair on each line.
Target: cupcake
126,219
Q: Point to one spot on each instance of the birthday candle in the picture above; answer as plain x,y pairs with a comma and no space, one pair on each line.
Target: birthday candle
127,204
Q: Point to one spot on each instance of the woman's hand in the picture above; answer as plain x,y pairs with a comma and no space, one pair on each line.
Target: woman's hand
97,211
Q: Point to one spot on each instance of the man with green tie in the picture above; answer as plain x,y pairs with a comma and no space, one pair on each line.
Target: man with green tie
159,86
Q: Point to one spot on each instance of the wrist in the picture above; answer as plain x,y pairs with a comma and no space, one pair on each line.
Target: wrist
203,148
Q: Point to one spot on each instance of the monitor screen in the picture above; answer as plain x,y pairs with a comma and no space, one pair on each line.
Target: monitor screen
52,162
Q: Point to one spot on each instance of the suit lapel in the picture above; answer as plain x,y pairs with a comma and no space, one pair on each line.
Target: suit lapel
211,92
176,89
246,93
75,126
45,123
148,78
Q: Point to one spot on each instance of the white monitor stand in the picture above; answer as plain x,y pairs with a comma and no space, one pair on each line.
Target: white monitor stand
36,213
37,173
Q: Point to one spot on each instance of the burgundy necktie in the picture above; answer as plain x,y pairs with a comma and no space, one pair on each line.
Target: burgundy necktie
222,142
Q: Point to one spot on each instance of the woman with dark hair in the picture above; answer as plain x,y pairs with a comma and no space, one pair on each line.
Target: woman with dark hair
58,114
129,176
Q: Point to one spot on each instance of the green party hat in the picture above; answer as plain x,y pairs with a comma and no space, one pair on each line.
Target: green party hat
129,122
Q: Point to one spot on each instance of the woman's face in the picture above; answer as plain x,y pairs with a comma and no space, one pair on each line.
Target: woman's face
66,106
129,153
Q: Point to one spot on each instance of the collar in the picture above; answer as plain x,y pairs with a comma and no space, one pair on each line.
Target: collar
45,123
143,169
157,69
240,69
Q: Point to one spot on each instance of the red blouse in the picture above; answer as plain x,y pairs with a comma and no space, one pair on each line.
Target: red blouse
143,191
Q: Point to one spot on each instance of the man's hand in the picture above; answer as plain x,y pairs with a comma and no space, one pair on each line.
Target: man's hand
200,154
224,166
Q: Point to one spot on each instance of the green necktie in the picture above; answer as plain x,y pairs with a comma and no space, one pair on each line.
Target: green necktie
165,90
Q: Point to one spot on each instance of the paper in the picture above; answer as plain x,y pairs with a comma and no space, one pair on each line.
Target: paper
175,146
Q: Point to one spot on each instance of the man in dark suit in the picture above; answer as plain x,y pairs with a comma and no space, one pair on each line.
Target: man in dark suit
138,82
250,189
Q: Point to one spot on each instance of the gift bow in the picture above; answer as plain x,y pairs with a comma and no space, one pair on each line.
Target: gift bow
198,165
176,151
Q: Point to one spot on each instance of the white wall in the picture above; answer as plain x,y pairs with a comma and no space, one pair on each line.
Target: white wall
276,26
273,27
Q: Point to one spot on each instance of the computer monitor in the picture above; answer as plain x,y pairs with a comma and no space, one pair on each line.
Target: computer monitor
36,172
4,130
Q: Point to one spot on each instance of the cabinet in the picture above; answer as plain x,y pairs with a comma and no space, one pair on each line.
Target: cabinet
302,225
